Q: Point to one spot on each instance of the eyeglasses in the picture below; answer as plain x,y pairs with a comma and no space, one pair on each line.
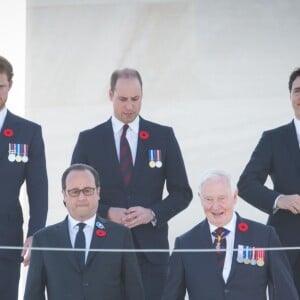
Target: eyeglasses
87,191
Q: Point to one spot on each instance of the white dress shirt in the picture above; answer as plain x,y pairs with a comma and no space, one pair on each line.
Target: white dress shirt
88,231
132,135
229,244
3,114
297,125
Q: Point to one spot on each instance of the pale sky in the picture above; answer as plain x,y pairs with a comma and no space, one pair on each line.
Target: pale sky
12,46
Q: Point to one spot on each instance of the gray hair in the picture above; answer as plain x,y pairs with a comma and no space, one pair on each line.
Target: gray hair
216,174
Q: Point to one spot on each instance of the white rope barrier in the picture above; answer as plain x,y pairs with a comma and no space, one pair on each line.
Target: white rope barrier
139,250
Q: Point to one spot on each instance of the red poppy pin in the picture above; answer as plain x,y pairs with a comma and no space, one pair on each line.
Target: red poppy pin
101,232
144,135
243,227
8,132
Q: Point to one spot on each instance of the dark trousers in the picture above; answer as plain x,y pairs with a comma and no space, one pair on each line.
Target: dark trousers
9,279
295,261
153,277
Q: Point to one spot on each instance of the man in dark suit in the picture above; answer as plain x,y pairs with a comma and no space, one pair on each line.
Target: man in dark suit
219,272
86,273
278,155
133,178
22,158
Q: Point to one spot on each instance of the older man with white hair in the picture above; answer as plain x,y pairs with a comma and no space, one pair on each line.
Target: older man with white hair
236,262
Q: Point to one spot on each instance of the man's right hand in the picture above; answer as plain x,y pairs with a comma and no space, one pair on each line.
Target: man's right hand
117,214
289,202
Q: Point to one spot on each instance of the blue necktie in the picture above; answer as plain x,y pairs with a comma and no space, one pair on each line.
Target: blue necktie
126,165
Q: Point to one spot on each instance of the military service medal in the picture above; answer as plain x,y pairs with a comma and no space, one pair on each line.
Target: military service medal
247,255
260,257
240,254
253,260
11,152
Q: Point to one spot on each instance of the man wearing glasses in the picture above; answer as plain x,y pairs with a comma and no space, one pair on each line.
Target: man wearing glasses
83,272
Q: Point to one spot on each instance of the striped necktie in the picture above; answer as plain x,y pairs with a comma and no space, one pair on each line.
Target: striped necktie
126,165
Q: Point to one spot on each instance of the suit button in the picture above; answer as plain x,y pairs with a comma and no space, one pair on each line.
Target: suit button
226,291
85,284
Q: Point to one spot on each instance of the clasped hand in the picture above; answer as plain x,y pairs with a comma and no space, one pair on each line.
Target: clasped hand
131,217
289,202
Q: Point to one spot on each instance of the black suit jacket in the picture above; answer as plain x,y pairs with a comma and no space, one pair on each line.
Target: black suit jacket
199,275
13,175
96,147
278,155
106,276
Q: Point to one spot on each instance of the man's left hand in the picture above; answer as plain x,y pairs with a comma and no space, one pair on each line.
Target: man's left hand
26,252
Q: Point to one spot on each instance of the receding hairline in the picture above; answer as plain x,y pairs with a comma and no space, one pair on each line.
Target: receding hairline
125,73
79,167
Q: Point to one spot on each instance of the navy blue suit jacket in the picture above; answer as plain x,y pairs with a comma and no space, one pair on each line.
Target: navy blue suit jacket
278,155
199,275
106,276
96,147
13,175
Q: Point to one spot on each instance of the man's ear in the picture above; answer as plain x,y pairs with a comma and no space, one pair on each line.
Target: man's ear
64,197
235,196
10,84
110,94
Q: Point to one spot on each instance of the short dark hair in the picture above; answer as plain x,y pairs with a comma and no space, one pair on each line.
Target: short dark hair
124,73
6,68
79,167
293,76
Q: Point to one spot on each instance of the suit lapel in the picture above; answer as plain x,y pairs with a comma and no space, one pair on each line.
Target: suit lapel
10,123
205,242
64,241
99,239
110,149
241,238
289,136
141,152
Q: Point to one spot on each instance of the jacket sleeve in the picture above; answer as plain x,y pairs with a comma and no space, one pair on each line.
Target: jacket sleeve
281,282
251,183
35,283
179,192
37,183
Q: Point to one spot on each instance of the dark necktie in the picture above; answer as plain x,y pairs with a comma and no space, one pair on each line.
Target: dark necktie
220,243
126,165
80,244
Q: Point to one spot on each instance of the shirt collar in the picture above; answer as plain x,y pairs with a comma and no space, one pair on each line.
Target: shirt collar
89,222
3,114
297,125
117,125
229,226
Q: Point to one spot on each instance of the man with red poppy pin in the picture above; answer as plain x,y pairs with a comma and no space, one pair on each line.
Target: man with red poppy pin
241,275
106,275
22,159
157,161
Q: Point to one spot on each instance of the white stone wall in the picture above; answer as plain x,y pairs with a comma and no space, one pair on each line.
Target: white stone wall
216,71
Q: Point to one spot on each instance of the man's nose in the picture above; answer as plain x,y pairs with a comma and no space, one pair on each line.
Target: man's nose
215,204
129,104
